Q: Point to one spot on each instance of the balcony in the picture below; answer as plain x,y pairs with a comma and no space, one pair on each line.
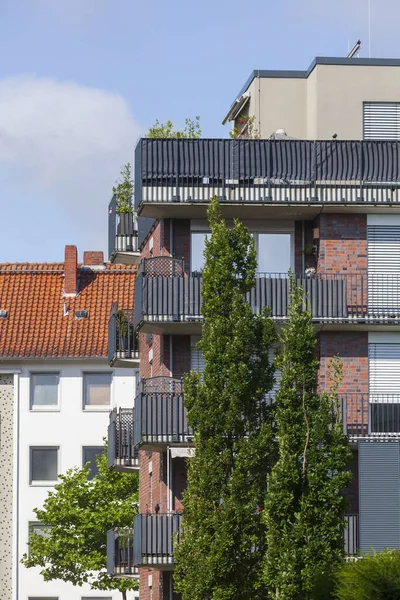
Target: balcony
177,177
160,416
154,540
370,415
350,534
123,345
156,535
169,302
122,454
120,553
122,237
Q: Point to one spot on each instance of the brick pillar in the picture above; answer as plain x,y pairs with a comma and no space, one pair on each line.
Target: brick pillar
70,270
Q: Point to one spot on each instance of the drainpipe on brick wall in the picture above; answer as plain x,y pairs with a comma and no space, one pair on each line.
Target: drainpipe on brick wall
169,495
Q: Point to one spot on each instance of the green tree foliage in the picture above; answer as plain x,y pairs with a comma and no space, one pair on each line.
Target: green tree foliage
304,506
191,129
78,514
123,190
223,537
376,576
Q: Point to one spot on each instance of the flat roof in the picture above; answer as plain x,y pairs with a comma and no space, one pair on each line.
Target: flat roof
318,60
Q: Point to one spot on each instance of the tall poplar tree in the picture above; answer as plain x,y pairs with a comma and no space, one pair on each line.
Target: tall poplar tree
304,506
223,536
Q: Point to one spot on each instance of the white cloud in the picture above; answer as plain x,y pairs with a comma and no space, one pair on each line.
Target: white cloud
65,143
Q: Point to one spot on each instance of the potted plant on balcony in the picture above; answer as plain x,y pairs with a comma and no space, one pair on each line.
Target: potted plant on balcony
310,253
123,192
124,332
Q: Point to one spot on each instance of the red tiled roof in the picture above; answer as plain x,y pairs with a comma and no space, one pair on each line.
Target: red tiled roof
36,326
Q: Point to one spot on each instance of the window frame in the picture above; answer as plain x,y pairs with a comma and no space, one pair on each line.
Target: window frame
83,454
256,237
96,407
42,482
30,525
44,408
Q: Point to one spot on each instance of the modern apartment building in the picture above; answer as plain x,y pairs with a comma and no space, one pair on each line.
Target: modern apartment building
56,392
329,209
354,98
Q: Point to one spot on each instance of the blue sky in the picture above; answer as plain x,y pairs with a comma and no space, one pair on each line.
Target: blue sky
81,80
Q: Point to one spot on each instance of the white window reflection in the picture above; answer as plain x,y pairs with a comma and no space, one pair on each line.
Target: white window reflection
273,252
198,244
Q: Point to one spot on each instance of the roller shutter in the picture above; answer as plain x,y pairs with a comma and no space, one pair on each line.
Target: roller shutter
379,488
381,121
384,388
196,359
383,270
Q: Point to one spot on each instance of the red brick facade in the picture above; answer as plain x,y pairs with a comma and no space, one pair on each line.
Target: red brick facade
343,243
352,348
341,247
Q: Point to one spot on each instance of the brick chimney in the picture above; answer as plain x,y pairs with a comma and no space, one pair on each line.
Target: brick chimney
93,258
70,270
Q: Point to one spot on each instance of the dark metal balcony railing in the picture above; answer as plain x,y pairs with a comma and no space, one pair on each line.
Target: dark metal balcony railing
160,415
374,415
156,535
122,454
122,339
267,171
162,297
154,539
351,541
122,236
120,553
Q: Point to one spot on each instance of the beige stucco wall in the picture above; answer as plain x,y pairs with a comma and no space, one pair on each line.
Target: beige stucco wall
342,91
329,101
279,104
6,487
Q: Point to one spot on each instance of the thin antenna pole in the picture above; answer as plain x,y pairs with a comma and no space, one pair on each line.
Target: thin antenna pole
369,28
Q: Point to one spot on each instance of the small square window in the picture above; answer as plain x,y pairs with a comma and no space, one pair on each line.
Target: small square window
97,390
40,529
44,390
43,464
90,454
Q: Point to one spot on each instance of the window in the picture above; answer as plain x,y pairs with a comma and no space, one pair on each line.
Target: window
381,120
96,598
43,598
89,456
198,244
273,252
39,529
97,390
44,390
43,464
